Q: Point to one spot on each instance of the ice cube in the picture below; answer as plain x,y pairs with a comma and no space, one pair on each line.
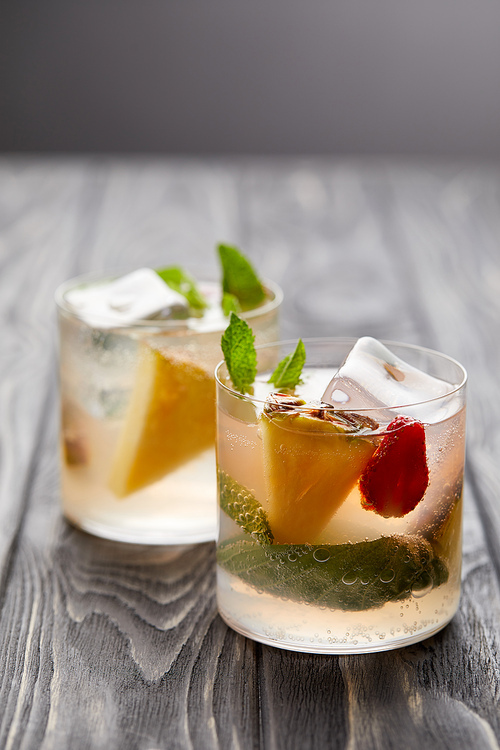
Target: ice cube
372,377
139,295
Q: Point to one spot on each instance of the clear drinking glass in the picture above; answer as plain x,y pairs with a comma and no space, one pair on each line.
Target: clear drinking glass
138,420
351,580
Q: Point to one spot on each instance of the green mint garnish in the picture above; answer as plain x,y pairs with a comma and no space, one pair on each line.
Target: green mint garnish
239,277
238,348
240,505
287,373
180,281
230,304
341,576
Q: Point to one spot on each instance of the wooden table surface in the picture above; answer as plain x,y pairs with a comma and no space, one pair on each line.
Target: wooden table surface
104,645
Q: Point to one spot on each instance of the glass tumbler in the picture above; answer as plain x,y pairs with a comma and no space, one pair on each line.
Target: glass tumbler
138,420
304,562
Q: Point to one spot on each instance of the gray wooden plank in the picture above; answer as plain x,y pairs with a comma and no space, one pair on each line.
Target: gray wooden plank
452,233
129,637
39,209
426,297
112,645
322,224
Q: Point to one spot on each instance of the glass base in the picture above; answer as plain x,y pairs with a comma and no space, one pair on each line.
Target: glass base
158,537
335,649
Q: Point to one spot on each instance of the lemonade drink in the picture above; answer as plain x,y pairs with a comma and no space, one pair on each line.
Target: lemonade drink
340,529
138,416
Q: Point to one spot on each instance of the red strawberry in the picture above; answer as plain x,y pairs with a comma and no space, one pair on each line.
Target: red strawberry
396,476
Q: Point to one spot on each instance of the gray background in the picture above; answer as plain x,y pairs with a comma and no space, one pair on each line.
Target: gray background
251,76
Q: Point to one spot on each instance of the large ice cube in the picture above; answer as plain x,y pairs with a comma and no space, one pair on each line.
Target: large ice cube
139,295
372,377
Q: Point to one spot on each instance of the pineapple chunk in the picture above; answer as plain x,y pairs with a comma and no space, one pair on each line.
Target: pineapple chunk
171,418
310,468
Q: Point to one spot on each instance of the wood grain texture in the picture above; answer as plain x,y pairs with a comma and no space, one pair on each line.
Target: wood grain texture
119,646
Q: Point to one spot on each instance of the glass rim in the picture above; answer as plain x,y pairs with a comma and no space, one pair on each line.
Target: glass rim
173,325
347,340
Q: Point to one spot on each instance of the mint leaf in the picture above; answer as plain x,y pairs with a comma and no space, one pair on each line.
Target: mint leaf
180,281
240,505
342,576
287,373
237,346
239,277
230,304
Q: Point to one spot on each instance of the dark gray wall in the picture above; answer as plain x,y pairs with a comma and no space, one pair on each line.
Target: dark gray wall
251,76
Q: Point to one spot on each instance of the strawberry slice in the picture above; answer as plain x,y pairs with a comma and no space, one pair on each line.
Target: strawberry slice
396,476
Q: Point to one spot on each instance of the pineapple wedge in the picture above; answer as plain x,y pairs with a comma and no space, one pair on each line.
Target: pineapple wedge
171,418
310,467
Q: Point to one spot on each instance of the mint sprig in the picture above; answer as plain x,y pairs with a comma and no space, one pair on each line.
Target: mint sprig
240,505
352,577
229,304
238,348
181,281
239,277
287,373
